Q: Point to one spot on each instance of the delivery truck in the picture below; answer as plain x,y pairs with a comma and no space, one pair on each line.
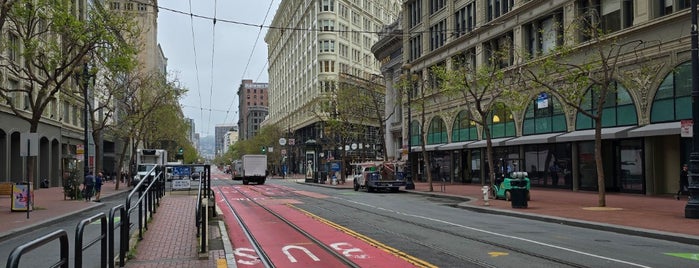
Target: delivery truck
254,168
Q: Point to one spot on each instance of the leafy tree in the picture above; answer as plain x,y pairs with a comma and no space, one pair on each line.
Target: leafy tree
48,45
143,96
483,89
584,75
360,103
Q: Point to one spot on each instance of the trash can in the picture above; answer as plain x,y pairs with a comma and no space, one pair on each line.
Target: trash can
518,193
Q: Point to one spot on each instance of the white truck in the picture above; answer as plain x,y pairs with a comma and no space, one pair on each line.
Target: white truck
254,168
146,160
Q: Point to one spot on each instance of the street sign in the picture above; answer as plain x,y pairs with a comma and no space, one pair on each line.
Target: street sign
28,144
282,141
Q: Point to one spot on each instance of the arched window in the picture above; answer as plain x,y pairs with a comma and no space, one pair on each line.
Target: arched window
501,122
674,92
544,115
437,133
464,129
415,133
619,109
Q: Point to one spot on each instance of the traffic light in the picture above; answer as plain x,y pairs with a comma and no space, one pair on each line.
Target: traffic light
264,149
180,153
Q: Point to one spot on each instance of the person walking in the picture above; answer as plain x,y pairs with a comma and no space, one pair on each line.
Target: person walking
684,181
98,186
88,186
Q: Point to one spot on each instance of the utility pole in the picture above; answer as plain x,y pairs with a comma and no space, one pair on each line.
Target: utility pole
691,210
85,80
409,185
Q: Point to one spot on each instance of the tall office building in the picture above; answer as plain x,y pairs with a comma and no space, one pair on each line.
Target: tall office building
310,44
220,136
253,107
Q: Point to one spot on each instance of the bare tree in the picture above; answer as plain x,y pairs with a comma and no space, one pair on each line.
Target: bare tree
584,77
484,89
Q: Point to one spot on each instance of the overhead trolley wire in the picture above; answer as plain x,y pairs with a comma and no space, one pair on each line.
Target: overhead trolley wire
196,67
250,57
213,53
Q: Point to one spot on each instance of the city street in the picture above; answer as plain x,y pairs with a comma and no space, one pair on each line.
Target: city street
433,230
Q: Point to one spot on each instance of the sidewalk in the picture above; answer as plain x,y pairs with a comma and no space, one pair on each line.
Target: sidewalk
49,206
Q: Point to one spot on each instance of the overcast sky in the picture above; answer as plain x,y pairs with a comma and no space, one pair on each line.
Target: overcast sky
238,52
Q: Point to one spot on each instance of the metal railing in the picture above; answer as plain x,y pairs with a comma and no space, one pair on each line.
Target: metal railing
204,192
80,247
150,191
60,235
111,226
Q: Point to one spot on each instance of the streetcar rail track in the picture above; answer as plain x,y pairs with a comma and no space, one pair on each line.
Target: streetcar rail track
257,247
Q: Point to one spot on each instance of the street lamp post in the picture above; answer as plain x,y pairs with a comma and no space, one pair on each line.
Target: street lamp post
409,184
691,210
85,81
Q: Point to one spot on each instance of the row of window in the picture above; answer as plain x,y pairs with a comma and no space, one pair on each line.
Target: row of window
540,36
126,6
545,114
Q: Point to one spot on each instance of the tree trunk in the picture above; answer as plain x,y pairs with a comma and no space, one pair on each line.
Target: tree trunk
601,202
99,155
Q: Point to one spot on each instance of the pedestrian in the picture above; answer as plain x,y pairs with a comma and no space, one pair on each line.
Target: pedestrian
98,186
684,181
88,186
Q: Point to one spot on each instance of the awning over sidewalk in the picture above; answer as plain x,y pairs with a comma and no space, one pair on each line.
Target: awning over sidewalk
428,148
671,128
589,134
455,145
483,143
533,139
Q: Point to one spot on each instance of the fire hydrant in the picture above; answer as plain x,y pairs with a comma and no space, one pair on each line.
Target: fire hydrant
486,191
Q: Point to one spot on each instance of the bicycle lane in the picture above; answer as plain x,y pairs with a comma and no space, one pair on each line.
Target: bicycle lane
361,250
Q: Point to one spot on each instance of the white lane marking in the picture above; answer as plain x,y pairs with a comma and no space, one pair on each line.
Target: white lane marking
497,234
349,251
246,256
286,249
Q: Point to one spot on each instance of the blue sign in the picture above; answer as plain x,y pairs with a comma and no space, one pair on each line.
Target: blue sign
335,166
180,171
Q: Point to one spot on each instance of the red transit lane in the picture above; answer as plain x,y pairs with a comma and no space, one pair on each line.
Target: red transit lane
286,246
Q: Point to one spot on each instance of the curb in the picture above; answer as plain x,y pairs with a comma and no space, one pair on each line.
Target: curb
32,227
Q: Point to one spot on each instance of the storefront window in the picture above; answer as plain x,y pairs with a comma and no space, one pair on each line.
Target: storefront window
630,168
464,129
587,166
476,166
501,122
543,115
549,165
437,132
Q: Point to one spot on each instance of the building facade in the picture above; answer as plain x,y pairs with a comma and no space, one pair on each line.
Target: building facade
220,133
641,143
253,107
61,129
310,44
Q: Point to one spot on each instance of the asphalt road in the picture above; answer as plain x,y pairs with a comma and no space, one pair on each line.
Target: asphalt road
434,230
